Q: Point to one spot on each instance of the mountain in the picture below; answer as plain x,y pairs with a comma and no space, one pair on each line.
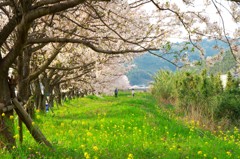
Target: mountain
147,65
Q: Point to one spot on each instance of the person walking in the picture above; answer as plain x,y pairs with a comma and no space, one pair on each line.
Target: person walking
116,92
133,93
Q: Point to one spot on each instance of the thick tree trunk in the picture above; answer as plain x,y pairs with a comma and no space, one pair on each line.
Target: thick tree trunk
24,91
6,122
24,86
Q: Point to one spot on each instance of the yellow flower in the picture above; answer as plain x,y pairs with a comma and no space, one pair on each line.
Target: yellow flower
229,153
95,148
14,147
130,156
37,110
11,117
86,155
82,146
199,152
33,123
3,114
16,136
89,134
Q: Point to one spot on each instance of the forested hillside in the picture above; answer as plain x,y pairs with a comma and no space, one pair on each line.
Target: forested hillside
223,66
147,65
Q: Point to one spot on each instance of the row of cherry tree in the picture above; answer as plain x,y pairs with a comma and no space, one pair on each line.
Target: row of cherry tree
82,45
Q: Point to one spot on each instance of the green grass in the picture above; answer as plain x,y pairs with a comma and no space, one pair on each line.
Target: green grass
123,128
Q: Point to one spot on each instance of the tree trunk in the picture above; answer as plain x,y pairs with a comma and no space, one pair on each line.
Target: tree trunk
35,132
39,97
37,94
23,85
6,122
58,94
43,103
24,91
51,100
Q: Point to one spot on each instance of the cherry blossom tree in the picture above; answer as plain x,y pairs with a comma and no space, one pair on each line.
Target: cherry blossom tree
31,27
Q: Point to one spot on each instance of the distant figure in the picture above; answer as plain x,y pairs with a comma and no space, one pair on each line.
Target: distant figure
47,107
133,93
116,92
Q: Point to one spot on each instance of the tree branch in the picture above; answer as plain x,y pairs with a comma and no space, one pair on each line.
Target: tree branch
71,68
224,31
88,44
47,63
8,29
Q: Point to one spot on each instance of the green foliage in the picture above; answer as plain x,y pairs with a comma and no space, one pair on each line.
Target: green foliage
230,106
217,83
231,83
199,94
164,86
122,128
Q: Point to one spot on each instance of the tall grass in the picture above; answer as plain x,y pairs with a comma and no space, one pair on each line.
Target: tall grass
199,96
123,128
164,86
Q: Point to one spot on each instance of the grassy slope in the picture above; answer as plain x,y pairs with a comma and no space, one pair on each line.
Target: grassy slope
124,128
